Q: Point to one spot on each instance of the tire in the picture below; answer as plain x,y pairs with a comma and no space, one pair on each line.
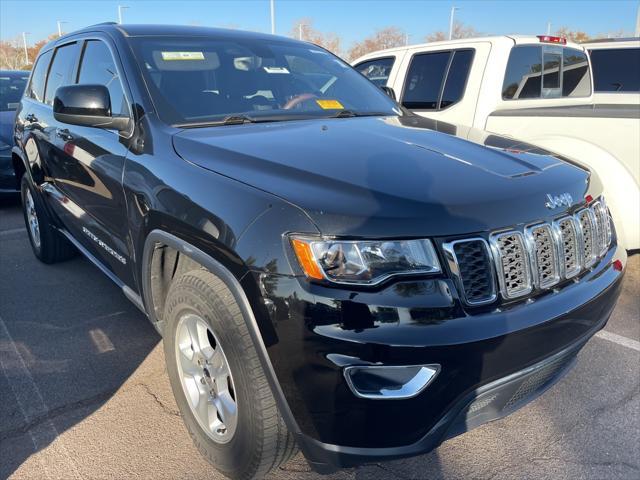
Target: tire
48,245
254,442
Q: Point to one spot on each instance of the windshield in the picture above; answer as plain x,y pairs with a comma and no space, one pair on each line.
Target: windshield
11,89
198,80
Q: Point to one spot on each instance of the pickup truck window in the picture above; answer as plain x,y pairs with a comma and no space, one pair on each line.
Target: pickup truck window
99,68
193,81
616,69
436,80
424,80
38,77
377,70
536,71
64,62
457,78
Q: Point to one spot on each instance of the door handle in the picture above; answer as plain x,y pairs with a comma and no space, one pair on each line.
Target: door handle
31,118
64,134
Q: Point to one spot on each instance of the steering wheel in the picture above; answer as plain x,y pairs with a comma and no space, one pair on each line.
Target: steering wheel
298,99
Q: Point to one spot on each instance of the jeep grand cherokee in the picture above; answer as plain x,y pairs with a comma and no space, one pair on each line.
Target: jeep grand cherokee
328,271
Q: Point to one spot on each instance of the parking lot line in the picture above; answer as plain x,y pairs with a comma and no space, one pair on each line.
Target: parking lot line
619,339
29,398
12,231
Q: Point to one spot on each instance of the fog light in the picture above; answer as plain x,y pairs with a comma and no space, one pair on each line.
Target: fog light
389,382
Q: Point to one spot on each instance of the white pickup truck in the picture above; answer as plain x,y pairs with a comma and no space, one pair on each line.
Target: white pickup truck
535,89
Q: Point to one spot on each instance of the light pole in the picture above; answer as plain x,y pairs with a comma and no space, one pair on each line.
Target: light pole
453,11
120,9
26,51
406,39
273,17
300,29
60,22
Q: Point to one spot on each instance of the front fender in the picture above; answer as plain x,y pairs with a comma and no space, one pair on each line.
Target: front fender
619,187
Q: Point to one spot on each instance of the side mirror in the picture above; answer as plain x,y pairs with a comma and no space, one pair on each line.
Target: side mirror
88,106
389,91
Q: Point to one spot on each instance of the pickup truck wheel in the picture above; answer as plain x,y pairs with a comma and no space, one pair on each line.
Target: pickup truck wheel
218,381
48,245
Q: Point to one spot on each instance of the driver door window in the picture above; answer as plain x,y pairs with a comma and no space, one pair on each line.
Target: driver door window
99,68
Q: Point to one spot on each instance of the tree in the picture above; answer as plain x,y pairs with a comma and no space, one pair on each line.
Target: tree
11,55
460,30
304,30
574,36
388,37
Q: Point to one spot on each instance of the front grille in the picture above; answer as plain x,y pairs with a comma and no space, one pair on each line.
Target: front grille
545,255
569,247
603,226
589,247
477,281
512,264
537,257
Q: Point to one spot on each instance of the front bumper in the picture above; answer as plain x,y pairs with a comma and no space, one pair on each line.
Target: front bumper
492,361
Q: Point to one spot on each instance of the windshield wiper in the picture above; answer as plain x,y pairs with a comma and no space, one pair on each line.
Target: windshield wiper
228,120
350,113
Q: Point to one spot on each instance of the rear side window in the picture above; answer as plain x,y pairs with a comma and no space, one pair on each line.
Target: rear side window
377,70
424,80
38,77
616,69
546,71
576,80
61,70
436,80
98,67
457,77
524,73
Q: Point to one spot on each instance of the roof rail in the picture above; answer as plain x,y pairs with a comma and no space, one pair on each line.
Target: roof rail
103,23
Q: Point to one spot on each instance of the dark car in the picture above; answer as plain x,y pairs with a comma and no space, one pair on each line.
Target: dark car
12,85
328,271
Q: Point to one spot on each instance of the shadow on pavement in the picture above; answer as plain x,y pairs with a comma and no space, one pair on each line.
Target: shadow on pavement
68,340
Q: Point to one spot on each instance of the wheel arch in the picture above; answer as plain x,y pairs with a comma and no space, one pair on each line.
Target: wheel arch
158,238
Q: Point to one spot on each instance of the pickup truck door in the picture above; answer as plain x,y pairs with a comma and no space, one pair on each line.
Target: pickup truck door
86,165
442,82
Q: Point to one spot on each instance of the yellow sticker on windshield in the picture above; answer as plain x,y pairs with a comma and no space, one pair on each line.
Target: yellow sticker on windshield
330,104
168,56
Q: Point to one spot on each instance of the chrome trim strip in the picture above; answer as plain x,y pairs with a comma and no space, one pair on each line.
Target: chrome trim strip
497,256
533,254
452,262
579,247
425,376
588,262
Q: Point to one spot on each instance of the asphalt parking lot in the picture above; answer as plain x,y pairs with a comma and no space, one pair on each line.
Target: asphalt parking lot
83,392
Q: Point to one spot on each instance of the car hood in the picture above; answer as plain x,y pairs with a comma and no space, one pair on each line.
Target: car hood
390,176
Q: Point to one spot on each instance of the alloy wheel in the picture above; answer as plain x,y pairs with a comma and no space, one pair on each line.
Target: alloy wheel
206,378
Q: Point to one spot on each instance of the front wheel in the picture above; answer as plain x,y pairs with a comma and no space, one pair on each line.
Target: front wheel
218,381
48,245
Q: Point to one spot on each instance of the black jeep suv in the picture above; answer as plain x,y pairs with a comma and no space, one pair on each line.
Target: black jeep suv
328,271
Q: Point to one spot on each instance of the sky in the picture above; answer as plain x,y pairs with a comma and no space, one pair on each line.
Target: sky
352,20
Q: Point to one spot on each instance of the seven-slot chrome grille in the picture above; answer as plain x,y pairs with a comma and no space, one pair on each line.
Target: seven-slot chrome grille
537,257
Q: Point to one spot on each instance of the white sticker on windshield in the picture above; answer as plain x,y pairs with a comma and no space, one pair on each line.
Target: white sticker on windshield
168,56
276,70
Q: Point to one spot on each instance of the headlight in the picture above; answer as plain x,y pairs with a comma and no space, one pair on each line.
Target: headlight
364,262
